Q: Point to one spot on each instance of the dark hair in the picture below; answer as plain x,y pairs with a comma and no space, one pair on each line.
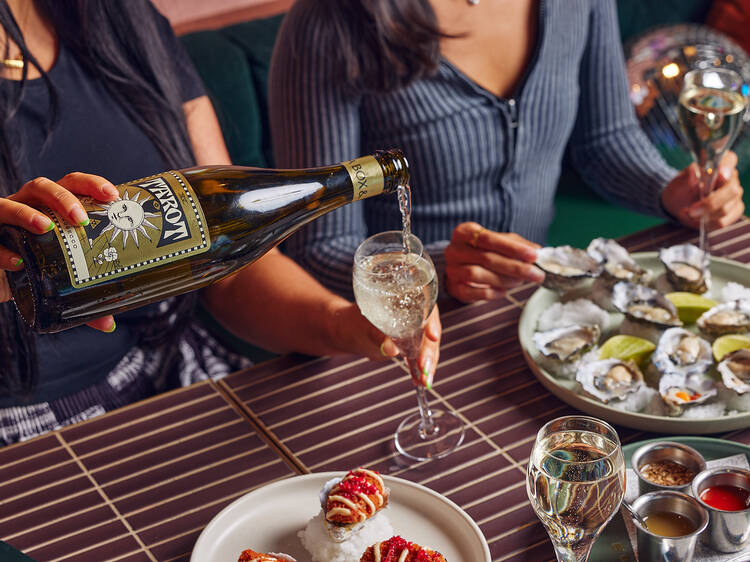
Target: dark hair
119,43
383,44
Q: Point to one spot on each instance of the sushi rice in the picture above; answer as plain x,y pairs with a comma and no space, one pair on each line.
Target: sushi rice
322,549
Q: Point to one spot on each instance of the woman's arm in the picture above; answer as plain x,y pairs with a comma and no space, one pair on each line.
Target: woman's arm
608,146
314,123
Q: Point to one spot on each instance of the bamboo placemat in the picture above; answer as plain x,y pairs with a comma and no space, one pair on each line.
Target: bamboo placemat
138,484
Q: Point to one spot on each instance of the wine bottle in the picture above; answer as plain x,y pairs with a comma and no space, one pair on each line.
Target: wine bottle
176,232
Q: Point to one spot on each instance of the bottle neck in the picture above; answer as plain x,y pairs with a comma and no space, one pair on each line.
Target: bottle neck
395,168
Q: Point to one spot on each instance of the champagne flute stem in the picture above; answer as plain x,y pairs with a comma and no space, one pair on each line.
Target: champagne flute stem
427,427
566,554
708,173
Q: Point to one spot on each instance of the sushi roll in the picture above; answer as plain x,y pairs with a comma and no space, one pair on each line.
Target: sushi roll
352,501
401,550
252,556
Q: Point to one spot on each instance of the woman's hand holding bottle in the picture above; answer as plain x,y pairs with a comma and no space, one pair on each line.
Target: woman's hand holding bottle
481,264
20,209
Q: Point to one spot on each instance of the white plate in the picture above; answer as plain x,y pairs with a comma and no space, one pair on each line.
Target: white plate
267,520
722,271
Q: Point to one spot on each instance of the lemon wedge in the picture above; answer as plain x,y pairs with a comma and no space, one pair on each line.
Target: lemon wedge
627,348
729,343
690,306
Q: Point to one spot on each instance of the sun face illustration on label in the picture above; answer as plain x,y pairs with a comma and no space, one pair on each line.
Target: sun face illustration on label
127,217
155,221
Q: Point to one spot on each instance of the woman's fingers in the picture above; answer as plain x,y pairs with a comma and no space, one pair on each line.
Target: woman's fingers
20,214
474,235
730,214
728,163
43,191
104,324
5,294
90,184
720,205
429,354
10,261
60,196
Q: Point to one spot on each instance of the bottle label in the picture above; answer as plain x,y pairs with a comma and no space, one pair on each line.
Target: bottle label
155,221
367,177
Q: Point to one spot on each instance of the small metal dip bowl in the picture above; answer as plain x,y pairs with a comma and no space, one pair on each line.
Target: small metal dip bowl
665,451
728,531
656,548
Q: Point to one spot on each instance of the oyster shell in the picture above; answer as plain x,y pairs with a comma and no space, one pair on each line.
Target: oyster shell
735,370
566,268
644,304
610,379
687,268
682,352
726,318
617,263
569,343
679,391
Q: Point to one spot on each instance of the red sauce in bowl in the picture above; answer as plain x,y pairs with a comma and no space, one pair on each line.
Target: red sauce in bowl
727,498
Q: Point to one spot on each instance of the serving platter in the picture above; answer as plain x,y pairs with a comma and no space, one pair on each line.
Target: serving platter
613,543
722,272
268,519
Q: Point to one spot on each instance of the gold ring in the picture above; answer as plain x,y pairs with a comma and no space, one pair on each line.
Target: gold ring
475,237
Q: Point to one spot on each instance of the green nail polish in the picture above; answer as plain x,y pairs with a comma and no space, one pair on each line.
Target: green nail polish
19,262
85,223
112,329
50,226
426,379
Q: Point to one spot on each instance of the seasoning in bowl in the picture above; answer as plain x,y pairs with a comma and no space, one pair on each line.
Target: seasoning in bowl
726,498
666,465
669,524
667,473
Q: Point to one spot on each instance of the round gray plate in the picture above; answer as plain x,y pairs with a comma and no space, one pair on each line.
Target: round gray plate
722,271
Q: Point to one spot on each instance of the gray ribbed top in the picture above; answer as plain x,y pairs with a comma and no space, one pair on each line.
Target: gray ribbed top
473,156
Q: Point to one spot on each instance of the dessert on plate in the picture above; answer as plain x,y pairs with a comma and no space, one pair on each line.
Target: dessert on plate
397,549
351,517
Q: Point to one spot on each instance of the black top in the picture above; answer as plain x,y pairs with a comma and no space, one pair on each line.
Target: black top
93,135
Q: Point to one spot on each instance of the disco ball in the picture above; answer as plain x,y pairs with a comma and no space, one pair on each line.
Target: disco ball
656,64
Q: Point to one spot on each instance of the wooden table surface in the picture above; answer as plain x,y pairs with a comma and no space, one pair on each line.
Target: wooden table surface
140,483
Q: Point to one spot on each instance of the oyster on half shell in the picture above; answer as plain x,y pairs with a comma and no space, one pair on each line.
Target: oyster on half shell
566,268
687,268
644,304
726,318
735,370
679,391
568,343
617,263
610,379
680,351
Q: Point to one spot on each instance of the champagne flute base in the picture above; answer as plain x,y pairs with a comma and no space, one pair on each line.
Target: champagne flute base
446,434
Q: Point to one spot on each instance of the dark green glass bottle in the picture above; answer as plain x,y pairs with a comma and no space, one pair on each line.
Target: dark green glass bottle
177,232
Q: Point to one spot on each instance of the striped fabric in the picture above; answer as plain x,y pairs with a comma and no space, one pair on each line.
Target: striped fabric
199,357
473,156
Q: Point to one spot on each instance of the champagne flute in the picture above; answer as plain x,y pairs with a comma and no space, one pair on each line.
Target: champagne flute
711,109
395,286
575,482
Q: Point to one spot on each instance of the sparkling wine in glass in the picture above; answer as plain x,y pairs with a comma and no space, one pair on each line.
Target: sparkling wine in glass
575,482
711,113
395,287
